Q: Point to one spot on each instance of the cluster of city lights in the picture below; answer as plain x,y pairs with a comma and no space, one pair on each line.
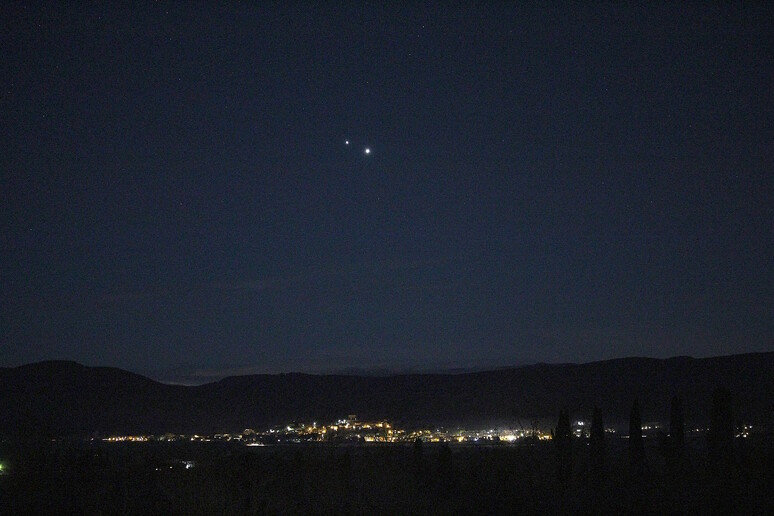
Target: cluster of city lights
348,429
352,430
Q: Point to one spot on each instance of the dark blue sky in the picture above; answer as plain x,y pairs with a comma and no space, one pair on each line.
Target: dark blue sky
561,184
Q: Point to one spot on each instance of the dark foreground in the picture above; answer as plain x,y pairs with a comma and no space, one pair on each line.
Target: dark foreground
216,478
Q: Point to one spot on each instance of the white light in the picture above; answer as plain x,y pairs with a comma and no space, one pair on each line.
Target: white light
346,142
367,150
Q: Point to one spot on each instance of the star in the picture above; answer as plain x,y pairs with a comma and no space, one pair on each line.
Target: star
367,150
346,142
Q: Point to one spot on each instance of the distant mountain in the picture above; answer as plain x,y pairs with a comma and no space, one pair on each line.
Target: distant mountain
66,398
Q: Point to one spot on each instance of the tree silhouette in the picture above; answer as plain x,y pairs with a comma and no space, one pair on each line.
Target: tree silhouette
720,442
672,446
563,442
418,464
676,426
721,433
446,476
636,445
597,446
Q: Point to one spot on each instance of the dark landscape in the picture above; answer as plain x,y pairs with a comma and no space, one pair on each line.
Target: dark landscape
54,399
57,459
363,257
137,478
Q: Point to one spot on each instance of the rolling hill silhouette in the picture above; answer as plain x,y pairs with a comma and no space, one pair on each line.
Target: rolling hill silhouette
65,398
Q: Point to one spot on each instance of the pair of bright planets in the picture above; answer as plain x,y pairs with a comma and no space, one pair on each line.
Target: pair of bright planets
366,150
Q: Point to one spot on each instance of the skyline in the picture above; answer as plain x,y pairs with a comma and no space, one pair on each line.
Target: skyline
289,188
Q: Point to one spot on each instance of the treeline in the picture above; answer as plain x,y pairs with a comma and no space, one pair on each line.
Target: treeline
721,469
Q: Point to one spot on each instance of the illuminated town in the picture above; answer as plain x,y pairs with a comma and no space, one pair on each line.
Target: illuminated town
351,430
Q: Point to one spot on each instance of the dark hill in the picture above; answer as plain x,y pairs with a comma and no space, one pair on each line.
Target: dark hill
65,398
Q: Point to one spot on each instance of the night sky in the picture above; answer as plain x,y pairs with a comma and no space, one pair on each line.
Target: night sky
177,196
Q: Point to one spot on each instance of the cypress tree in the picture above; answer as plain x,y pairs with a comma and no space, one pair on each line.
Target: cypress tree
597,446
418,461
636,445
676,426
563,443
721,433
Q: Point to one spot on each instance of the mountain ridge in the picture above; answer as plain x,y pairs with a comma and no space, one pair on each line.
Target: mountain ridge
68,398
